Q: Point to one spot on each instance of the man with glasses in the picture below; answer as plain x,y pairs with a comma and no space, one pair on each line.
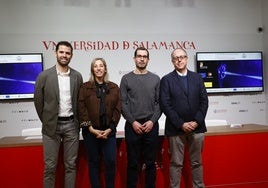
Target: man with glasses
140,108
184,101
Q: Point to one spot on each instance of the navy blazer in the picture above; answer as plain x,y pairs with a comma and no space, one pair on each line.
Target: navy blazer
180,105
46,98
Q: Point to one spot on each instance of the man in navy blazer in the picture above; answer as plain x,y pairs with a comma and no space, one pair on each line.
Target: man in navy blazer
56,100
184,101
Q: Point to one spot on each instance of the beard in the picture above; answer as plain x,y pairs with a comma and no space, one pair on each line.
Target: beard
63,63
141,67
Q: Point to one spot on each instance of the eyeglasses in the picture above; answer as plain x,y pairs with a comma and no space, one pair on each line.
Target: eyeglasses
142,56
179,58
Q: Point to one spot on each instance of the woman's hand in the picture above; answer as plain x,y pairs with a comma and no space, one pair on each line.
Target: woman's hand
100,133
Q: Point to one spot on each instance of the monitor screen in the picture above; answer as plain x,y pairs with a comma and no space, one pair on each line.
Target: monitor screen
231,72
18,73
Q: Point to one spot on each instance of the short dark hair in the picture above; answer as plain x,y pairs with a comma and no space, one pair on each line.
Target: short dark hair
64,43
143,49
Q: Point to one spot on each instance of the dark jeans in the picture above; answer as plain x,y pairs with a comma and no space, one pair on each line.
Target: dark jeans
141,148
98,148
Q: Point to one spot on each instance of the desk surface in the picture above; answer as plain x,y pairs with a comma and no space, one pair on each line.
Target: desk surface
244,129
17,141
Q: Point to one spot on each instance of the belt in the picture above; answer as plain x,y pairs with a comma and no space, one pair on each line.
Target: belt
66,118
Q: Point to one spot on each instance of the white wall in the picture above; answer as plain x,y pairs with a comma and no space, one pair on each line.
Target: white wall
202,25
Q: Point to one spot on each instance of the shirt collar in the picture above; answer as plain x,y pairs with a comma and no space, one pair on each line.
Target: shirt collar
63,73
180,74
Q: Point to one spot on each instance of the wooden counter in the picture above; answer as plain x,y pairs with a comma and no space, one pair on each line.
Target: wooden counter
17,141
244,129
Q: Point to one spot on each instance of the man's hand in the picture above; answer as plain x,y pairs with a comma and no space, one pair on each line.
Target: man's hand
189,126
142,128
147,126
138,128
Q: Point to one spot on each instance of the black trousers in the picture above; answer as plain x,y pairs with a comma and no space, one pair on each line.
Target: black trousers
141,152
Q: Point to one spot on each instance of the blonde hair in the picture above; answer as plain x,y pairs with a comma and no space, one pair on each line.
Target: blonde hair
92,76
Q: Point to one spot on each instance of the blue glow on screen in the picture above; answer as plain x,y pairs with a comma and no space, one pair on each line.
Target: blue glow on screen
244,73
18,78
224,72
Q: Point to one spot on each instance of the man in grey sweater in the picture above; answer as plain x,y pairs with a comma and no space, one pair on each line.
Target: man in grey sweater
140,108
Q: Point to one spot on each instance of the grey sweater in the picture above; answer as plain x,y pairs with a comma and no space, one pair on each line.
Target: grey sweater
140,96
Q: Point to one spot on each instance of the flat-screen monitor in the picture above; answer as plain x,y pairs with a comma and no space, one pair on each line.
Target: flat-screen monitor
231,72
18,73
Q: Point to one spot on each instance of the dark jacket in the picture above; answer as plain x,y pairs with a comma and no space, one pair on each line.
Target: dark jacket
89,105
46,98
180,106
